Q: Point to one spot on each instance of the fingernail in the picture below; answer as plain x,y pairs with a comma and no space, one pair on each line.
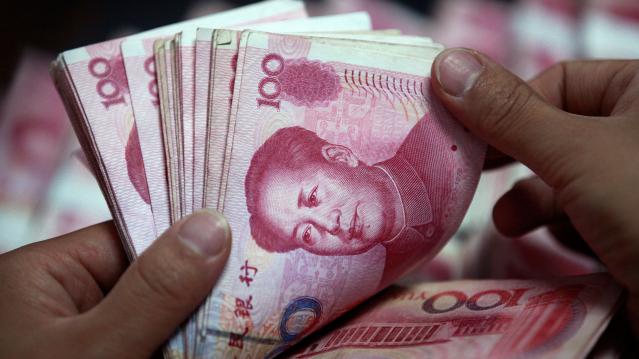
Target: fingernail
457,71
207,232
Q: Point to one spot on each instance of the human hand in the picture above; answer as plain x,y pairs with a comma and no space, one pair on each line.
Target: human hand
577,127
73,296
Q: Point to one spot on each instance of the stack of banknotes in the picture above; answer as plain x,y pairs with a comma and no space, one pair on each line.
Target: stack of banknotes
339,172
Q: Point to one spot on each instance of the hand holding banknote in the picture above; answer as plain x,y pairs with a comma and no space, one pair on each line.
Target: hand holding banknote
77,299
69,275
576,127
320,140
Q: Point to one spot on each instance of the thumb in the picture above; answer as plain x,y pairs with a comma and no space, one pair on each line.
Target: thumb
506,112
161,288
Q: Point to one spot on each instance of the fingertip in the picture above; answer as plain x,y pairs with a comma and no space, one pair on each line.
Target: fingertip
206,232
456,70
529,204
507,218
516,212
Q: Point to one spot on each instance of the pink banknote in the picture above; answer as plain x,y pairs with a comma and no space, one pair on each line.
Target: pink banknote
34,132
73,200
481,25
610,29
344,172
219,104
172,143
103,119
561,318
222,119
95,87
141,73
194,140
200,113
171,126
545,33
224,44
178,101
145,102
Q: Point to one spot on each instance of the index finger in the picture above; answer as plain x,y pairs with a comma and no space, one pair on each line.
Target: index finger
590,87
97,248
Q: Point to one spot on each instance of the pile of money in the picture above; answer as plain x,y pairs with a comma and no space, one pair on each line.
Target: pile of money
337,169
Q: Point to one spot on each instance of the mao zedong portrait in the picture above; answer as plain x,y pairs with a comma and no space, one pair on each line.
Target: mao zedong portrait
304,192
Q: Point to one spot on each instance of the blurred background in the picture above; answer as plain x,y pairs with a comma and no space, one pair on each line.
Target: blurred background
46,190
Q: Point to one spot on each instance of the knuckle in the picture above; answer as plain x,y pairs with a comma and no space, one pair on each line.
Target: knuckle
558,68
162,279
558,167
507,104
570,158
624,78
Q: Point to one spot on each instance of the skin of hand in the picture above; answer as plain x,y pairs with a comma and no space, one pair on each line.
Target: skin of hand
576,126
76,296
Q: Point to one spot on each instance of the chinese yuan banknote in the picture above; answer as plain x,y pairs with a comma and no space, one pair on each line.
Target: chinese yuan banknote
95,87
137,52
343,174
560,318
222,118
207,77
321,142
226,45
186,51
218,69
34,133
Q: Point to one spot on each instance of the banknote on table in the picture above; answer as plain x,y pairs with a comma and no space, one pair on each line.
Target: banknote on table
319,140
560,318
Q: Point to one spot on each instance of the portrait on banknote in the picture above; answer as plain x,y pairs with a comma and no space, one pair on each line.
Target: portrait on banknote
304,192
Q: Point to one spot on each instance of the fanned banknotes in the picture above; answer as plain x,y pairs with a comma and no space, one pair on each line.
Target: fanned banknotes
319,140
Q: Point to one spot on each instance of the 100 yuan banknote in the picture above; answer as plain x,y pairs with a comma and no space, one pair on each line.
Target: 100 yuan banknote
344,173
559,318
207,64
232,51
